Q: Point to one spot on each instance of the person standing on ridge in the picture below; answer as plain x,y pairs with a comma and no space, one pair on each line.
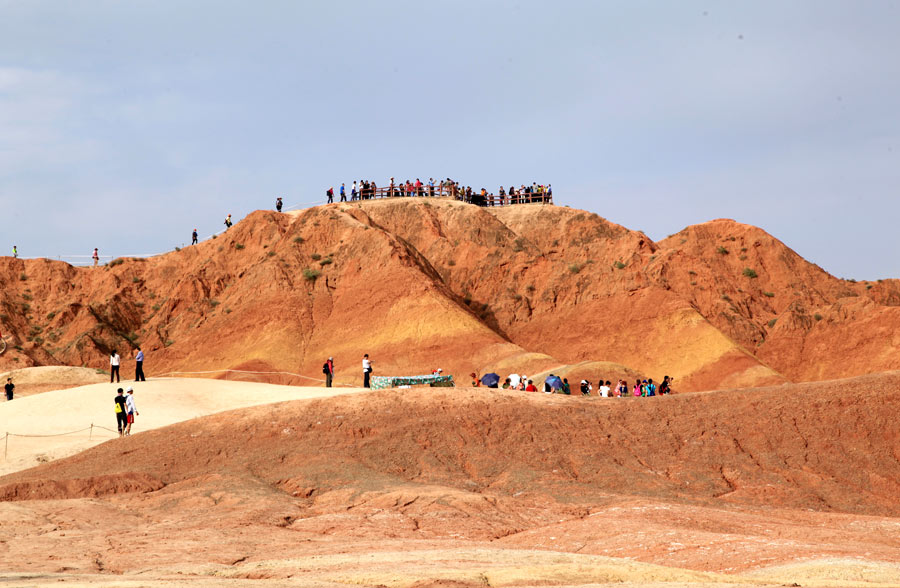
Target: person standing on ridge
139,366
121,412
367,370
328,370
330,193
131,410
278,204
95,256
353,191
194,237
343,193
114,366
15,252
228,222
9,389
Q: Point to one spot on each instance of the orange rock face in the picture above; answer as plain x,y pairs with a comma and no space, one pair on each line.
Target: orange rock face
420,284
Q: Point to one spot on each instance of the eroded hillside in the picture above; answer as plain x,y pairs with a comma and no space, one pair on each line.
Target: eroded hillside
422,283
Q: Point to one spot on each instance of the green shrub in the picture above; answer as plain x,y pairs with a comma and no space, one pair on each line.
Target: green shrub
169,343
619,265
298,239
518,245
575,267
817,316
772,322
23,277
769,294
115,262
156,307
326,261
315,257
238,246
177,249
750,273
50,315
311,275
721,249
135,280
213,302
27,296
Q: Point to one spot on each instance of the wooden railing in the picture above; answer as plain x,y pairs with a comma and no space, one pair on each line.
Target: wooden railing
438,191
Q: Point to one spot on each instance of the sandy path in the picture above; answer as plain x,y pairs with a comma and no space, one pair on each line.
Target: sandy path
160,402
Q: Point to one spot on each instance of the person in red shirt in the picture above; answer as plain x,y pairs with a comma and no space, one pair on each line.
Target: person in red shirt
476,381
530,387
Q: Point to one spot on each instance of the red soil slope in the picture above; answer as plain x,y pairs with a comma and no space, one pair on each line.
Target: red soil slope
769,475
421,283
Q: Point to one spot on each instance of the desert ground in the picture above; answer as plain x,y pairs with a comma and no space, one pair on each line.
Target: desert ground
245,484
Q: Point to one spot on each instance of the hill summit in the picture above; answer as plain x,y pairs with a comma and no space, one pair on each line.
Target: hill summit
423,283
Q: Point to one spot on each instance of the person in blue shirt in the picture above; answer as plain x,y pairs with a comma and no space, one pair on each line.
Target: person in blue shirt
139,366
343,193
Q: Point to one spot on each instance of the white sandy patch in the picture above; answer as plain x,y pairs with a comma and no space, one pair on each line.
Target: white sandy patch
160,402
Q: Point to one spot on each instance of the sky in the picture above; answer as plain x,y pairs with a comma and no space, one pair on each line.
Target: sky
125,125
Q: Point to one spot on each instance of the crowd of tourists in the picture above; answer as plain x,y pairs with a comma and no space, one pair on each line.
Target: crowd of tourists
367,189
556,385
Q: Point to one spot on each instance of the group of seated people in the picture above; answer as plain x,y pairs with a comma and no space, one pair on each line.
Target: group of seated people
605,389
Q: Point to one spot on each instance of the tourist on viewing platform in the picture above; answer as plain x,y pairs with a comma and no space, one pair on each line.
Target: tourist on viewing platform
95,256
353,191
194,237
328,370
343,193
9,387
506,384
330,194
420,191
391,189
278,204
228,222
665,386
372,189
431,187
530,387
502,195
114,366
566,389
604,389
139,366
549,192
651,387
367,370
131,410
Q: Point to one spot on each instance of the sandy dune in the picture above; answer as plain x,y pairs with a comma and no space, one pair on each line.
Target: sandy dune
160,402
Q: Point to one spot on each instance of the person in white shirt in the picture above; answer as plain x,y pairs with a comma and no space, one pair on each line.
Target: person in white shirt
113,366
604,389
514,381
130,409
367,369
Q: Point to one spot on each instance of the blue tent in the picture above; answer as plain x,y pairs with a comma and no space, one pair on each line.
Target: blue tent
555,382
490,380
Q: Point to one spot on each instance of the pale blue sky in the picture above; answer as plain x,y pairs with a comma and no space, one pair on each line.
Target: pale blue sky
123,125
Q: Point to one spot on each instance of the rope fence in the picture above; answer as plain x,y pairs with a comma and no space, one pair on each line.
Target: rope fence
91,428
226,371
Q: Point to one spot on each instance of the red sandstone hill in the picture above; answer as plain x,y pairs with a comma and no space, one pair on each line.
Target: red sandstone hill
421,283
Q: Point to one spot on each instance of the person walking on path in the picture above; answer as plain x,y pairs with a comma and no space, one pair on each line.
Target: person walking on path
194,237
278,204
131,408
343,193
228,222
9,389
139,366
121,412
15,252
95,256
328,370
367,370
114,366
330,193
